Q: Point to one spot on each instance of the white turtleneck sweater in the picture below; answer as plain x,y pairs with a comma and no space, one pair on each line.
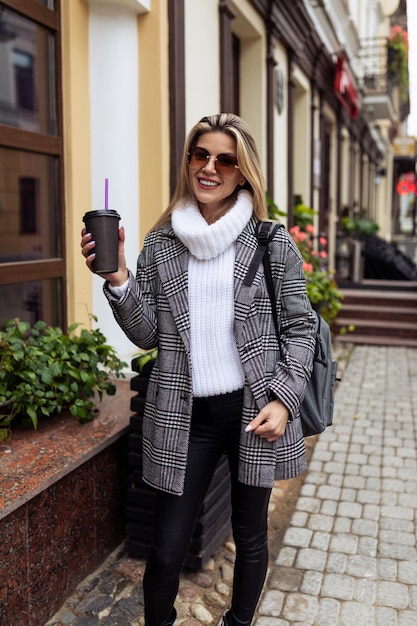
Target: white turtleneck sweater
216,366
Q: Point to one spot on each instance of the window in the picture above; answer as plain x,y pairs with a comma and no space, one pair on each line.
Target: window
32,270
28,209
23,71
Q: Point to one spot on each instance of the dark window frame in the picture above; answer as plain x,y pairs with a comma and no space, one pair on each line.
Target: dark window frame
40,143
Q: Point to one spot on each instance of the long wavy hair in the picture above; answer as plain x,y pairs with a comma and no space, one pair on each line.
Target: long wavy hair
247,157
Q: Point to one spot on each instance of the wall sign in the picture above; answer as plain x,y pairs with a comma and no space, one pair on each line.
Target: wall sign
344,87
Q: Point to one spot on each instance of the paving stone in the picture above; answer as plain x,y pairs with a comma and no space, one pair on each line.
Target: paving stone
298,537
338,586
407,573
387,569
272,602
328,612
321,522
364,591
345,543
407,618
392,594
311,559
94,604
354,613
300,607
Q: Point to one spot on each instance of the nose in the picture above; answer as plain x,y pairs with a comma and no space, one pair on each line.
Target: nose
210,166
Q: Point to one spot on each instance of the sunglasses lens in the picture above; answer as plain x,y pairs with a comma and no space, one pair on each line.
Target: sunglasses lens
199,158
224,163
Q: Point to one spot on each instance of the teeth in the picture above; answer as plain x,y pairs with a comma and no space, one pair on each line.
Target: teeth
208,183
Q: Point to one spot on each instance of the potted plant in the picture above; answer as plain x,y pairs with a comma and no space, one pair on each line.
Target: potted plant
359,226
44,371
397,62
322,289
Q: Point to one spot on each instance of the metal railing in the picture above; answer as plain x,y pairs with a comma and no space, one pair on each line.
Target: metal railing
373,66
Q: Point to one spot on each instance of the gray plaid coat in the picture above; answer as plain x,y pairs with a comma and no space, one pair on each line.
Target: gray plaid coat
154,312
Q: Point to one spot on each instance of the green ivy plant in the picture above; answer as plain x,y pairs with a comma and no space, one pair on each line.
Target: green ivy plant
44,371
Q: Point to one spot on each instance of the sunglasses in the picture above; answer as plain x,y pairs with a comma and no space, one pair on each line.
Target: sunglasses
225,164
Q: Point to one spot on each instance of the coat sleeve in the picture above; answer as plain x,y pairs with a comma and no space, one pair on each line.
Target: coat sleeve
297,330
135,311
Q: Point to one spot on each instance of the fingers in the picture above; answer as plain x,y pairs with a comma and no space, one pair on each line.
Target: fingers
87,248
270,423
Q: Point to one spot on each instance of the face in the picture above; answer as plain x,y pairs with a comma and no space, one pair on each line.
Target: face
212,187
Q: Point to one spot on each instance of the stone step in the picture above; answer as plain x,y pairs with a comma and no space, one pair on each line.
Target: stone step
380,298
389,312
357,339
372,327
382,313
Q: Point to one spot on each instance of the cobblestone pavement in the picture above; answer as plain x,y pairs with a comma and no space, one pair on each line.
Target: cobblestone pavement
342,537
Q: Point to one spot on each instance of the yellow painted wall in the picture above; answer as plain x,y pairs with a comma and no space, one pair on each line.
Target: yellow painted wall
76,112
153,140
154,144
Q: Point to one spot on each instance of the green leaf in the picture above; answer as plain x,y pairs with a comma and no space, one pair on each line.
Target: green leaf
33,416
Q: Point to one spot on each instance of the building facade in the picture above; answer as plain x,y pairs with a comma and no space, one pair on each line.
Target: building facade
95,89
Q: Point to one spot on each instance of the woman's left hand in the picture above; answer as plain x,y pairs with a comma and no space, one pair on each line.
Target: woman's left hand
270,423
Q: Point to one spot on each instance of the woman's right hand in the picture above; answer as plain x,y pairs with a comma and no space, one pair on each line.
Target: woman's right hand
87,250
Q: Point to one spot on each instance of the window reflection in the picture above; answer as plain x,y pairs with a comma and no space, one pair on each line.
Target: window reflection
31,301
50,4
29,225
27,78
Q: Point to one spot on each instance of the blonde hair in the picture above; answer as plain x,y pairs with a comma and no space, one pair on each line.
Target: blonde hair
247,157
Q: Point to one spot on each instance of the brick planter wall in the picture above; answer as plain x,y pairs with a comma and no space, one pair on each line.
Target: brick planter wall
62,501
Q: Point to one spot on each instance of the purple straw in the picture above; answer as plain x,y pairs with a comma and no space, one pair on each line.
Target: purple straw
106,193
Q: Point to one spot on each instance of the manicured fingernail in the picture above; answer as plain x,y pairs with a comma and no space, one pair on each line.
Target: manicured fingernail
248,428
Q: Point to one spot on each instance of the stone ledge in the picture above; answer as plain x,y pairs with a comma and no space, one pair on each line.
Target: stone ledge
62,500
35,459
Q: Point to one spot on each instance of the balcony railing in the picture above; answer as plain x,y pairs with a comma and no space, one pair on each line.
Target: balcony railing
373,67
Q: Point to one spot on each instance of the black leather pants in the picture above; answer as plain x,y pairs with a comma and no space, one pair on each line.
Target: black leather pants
215,430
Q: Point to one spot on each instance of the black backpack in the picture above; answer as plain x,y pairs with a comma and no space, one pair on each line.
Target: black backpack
317,407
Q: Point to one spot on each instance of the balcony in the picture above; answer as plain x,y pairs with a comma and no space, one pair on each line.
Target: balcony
377,82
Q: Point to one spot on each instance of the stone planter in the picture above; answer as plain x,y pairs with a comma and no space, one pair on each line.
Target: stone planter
213,524
61,507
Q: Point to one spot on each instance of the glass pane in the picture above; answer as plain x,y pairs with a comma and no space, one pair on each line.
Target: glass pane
27,76
29,215
50,4
32,301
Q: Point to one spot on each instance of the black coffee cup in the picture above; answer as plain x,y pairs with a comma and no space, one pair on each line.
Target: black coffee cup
103,224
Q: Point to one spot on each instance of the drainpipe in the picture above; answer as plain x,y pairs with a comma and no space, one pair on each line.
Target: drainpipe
290,132
270,91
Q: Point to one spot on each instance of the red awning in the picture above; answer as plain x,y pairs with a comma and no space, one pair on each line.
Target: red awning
344,87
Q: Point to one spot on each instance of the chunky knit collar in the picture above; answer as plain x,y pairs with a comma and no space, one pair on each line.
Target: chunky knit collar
206,241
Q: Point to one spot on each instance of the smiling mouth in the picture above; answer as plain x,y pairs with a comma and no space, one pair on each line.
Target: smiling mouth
209,184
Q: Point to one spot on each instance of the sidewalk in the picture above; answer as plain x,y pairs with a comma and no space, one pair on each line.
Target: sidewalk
347,556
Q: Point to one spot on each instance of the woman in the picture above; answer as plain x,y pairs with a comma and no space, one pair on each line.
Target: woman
218,385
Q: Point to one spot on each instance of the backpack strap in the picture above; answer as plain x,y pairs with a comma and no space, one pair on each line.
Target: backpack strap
271,292
265,234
